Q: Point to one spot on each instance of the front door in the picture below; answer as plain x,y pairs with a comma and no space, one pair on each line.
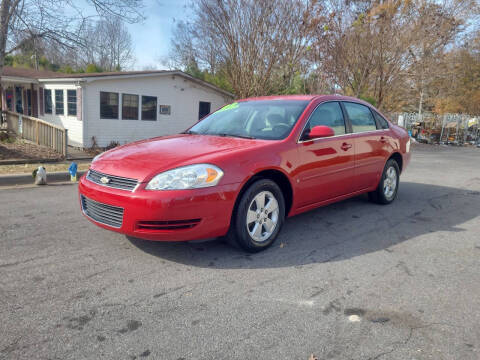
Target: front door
327,164
18,100
203,109
28,98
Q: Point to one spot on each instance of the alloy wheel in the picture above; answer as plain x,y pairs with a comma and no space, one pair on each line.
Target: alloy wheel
262,216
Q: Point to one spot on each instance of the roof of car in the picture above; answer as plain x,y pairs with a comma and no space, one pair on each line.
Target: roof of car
321,97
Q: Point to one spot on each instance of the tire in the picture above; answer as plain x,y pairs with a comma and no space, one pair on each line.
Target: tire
252,229
387,188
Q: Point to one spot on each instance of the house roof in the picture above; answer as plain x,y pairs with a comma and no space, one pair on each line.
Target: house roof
45,75
26,73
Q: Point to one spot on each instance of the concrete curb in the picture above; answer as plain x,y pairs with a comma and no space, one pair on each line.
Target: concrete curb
24,179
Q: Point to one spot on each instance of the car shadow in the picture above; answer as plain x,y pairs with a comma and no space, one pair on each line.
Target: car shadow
337,232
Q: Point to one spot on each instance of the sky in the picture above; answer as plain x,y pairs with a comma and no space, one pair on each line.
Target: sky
151,38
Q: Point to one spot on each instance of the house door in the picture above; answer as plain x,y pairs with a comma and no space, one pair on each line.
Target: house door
18,100
29,102
9,98
203,109
34,103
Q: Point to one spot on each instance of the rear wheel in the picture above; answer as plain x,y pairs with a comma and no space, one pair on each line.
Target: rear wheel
259,216
387,188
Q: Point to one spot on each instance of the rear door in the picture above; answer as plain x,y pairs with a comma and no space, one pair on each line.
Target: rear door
327,164
369,142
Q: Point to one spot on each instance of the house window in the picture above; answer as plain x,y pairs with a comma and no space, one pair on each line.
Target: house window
164,109
149,108
72,102
108,105
129,107
59,110
203,109
47,93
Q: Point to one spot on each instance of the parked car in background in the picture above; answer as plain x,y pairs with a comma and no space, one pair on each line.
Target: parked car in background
240,171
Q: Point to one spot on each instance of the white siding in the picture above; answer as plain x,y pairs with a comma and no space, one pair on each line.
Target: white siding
181,94
74,126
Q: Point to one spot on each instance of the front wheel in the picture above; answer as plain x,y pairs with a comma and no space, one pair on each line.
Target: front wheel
387,188
259,216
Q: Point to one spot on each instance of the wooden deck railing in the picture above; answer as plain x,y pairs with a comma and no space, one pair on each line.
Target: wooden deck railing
38,131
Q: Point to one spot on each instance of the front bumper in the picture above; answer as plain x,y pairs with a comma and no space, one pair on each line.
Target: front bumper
211,208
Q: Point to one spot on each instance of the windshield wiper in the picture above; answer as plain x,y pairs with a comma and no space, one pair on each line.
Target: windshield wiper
235,135
190,132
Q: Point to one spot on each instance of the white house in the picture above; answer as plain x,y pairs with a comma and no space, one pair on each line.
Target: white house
116,106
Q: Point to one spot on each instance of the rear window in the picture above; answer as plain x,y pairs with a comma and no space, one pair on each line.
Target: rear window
361,117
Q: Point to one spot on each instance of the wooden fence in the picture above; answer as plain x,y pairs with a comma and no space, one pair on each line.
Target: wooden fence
38,131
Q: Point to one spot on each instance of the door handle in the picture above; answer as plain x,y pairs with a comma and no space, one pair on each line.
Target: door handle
383,139
346,146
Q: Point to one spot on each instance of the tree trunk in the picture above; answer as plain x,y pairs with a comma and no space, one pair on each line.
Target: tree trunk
4,12
5,15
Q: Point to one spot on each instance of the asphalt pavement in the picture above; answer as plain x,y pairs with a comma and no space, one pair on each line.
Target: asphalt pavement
353,280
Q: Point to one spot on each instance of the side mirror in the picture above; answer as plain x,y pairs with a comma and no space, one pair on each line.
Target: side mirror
320,131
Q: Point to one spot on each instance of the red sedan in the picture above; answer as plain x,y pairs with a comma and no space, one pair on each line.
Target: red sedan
243,169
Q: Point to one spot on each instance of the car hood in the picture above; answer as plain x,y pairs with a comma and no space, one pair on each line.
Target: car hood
143,159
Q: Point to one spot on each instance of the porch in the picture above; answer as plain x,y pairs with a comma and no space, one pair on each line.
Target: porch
37,131
21,95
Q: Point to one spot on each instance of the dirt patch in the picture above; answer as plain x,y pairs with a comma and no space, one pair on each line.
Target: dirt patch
50,167
23,150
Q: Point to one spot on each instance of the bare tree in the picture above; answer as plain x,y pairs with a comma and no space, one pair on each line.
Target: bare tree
107,44
257,42
379,49
435,26
58,21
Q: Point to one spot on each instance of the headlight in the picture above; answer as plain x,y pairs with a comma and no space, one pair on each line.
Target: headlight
187,177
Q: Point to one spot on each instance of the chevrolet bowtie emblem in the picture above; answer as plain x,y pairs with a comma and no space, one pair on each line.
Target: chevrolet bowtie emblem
104,180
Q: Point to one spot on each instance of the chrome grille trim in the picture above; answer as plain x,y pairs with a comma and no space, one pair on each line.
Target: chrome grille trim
102,213
116,182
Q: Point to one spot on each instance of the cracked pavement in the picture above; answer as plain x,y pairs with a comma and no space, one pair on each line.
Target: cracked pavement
408,274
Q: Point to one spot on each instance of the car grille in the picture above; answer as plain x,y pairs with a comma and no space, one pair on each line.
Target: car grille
116,182
102,213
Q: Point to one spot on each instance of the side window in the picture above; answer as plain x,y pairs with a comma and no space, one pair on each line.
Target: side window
380,121
108,105
361,117
149,108
129,107
72,102
59,102
328,114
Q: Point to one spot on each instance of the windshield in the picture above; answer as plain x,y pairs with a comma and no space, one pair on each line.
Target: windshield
256,119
